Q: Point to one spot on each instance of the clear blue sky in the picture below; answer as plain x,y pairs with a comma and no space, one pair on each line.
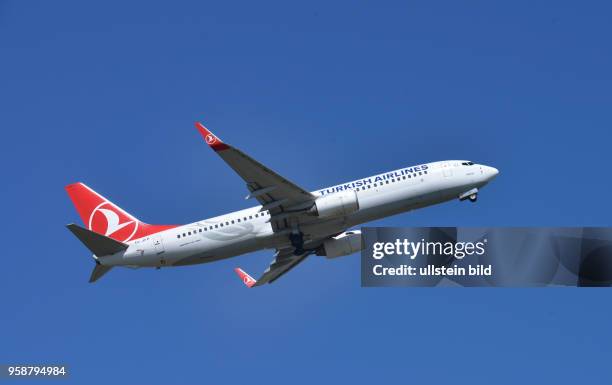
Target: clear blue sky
322,92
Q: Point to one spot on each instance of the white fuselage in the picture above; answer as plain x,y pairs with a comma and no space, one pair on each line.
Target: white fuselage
250,229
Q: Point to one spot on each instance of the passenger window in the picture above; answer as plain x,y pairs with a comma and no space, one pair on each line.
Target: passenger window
250,217
238,219
386,182
178,235
232,222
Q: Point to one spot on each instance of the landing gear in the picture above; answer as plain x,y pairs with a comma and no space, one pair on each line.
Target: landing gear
297,241
472,195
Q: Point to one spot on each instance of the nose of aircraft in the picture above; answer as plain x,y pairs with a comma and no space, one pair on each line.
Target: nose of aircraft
490,172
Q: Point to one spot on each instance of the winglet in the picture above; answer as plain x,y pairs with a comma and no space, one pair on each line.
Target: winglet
247,279
210,138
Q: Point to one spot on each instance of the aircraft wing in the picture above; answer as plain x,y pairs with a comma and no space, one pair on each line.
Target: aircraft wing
284,260
274,192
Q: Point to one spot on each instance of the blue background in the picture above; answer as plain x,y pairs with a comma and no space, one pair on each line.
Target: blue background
323,93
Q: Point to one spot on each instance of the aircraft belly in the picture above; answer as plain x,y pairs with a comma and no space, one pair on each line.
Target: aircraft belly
215,251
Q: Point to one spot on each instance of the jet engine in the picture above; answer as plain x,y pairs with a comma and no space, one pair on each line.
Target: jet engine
336,204
344,244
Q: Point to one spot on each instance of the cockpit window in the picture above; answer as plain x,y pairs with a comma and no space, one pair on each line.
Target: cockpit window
467,163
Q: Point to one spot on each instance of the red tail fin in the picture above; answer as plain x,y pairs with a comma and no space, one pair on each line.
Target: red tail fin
102,216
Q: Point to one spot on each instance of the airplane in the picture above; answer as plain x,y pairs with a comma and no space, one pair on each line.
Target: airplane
294,222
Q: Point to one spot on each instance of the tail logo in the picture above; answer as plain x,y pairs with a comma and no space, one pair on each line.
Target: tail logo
210,139
106,219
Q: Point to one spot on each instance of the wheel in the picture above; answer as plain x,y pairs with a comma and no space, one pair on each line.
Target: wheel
473,197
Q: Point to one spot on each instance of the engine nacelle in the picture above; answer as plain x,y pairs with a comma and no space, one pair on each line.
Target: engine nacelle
336,204
344,244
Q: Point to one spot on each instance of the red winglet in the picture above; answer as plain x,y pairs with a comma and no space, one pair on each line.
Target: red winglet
247,279
210,138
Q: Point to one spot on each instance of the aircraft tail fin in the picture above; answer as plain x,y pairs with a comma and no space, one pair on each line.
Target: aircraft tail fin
98,271
99,244
104,217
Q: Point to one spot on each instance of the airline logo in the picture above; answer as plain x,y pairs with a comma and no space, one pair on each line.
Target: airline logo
247,279
108,220
210,139
411,172
103,217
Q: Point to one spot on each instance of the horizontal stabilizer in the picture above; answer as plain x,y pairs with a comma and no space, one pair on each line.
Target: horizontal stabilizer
98,272
99,244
